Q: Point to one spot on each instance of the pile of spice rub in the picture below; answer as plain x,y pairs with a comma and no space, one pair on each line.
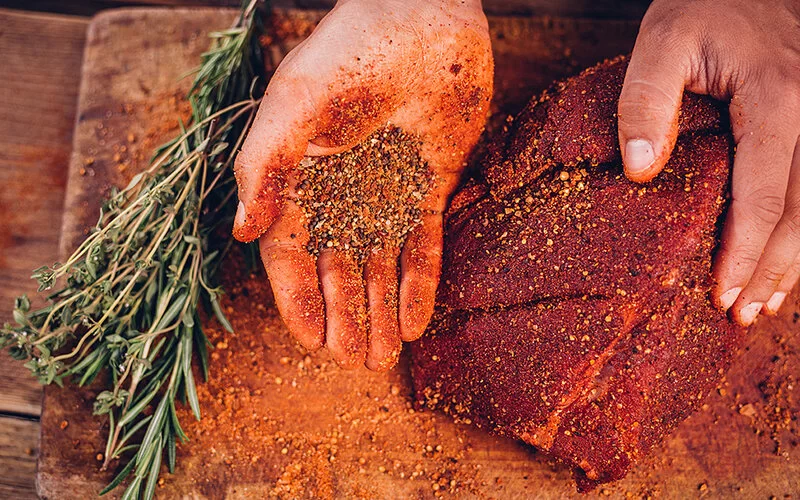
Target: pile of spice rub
365,198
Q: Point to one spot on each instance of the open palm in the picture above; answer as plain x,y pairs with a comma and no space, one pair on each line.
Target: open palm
425,67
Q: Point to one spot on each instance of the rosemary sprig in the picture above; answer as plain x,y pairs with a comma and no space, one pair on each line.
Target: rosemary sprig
129,295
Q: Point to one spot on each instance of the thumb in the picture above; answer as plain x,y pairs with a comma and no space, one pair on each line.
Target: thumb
648,109
272,149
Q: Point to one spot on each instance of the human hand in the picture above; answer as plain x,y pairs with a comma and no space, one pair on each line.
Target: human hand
749,53
424,66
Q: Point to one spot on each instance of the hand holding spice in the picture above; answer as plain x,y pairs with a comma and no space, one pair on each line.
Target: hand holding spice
408,79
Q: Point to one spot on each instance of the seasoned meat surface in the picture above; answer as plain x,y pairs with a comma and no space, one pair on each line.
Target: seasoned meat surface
573,311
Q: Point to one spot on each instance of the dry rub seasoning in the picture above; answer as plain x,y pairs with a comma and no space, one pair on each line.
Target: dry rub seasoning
366,198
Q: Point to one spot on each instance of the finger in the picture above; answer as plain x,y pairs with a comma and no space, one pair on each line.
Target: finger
420,267
782,250
786,286
649,105
292,272
274,146
345,308
759,187
384,330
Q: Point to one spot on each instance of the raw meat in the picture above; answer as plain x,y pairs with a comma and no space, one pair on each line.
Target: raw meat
573,311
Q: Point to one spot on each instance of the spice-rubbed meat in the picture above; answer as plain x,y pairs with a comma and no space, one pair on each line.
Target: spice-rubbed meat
573,311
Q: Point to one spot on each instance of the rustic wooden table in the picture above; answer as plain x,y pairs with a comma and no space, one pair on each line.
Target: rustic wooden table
41,58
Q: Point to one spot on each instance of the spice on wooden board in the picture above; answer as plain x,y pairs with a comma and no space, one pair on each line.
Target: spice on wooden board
318,432
365,198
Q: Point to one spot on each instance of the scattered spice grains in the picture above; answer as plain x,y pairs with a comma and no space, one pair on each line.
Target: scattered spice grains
366,198
124,145
318,433
770,404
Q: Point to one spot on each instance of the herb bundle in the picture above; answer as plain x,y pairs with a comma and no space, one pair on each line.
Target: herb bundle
128,300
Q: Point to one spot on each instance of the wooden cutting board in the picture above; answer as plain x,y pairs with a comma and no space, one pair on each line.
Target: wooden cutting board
282,422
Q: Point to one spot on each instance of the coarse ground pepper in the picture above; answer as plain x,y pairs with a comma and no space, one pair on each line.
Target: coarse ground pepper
365,198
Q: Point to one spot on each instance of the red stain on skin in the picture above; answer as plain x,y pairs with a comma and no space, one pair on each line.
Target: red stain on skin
351,116
267,203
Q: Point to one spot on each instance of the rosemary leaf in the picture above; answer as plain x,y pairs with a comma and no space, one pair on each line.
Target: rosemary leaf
155,468
123,474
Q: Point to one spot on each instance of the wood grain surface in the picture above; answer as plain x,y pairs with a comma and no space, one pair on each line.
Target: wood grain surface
280,421
19,439
41,56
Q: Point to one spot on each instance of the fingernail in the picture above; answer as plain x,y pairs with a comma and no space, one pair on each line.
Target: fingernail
727,299
639,155
750,312
774,303
241,216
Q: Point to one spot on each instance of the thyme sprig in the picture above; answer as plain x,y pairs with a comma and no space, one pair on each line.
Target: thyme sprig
129,296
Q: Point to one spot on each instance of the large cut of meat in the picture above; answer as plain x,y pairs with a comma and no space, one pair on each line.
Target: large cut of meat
573,311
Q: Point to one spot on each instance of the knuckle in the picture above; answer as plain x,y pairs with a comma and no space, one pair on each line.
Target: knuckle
744,256
771,277
764,206
275,244
647,101
666,28
662,28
